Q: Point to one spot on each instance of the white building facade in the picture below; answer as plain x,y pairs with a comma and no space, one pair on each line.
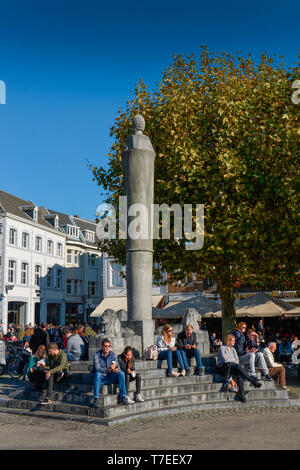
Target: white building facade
32,257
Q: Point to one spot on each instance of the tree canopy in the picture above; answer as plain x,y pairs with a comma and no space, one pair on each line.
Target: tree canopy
226,135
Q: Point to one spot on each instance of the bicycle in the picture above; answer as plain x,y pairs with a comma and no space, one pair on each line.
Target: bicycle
14,362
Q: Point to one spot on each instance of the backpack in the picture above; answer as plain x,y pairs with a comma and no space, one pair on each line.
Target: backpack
230,385
151,353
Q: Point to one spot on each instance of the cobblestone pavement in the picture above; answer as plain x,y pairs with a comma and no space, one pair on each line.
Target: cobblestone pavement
213,429
251,428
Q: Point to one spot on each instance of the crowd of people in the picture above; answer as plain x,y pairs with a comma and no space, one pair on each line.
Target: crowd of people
51,349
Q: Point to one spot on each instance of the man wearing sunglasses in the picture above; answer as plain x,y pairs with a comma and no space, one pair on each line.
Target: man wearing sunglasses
106,371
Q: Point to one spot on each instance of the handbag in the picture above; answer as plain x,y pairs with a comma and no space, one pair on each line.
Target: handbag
151,353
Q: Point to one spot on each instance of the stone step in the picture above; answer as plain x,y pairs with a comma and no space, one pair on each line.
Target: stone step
203,347
195,398
86,366
36,409
110,399
154,407
145,382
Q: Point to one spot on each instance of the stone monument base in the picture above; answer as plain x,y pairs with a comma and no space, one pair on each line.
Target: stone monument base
117,345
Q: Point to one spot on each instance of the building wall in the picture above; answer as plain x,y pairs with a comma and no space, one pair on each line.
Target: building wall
30,293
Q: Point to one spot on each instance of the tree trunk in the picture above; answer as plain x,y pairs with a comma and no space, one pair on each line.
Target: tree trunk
228,308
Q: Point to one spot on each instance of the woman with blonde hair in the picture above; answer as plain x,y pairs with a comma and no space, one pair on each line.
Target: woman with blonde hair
37,367
166,349
228,364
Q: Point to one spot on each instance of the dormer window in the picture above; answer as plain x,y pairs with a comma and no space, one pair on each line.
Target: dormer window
89,236
72,231
31,211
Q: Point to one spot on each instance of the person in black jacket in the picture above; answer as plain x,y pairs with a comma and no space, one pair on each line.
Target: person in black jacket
187,345
246,346
40,337
127,365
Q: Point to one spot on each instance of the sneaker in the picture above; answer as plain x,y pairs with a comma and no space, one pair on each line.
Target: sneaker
43,396
183,373
96,403
47,401
242,398
285,387
257,383
172,373
268,378
139,398
200,371
126,400
187,372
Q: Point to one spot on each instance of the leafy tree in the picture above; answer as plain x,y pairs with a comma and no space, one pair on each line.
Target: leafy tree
226,134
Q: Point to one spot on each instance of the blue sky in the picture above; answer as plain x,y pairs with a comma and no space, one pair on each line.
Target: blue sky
69,65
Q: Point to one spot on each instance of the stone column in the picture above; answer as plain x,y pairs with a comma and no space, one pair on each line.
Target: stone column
138,165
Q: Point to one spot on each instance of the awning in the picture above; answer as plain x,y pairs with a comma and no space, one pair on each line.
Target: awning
261,305
118,303
198,302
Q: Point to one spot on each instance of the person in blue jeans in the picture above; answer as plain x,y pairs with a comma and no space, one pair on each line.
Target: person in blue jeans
166,349
187,345
106,371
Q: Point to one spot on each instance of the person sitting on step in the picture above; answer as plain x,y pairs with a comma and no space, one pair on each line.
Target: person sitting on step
247,349
37,368
75,348
276,370
187,345
166,349
58,370
228,363
106,371
253,345
127,365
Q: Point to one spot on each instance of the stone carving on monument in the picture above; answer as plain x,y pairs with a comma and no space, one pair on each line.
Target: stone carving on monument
112,324
117,332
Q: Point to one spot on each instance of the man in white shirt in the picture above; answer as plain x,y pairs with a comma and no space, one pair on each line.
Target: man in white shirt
275,368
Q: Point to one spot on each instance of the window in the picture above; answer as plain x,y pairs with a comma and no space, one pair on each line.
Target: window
38,243
76,257
59,250
25,240
69,256
35,214
24,273
50,247
116,278
49,277
12,236
89,236
91,288
92,260
37,275
76,287
58,278
1,229
69,286
11,271
72,231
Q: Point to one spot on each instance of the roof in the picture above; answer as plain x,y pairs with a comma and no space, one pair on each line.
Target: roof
13,204
75,221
